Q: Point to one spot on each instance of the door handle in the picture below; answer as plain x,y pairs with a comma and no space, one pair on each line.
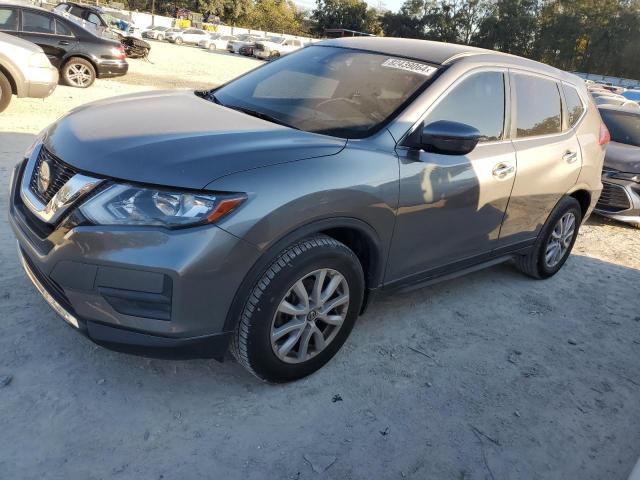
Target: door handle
63,42
501,170
570,156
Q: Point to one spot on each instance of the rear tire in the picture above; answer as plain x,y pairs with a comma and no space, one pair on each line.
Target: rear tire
78,72
553,245
275,302
5,92
178,41
212,46
160,38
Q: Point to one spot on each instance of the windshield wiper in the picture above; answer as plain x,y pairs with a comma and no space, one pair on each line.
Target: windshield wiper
261,115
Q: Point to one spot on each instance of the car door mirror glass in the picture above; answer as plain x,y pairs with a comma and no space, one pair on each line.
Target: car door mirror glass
449,138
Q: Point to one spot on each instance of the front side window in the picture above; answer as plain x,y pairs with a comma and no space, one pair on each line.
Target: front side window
334,91
574,104
8,19
538,109
478,101
37,22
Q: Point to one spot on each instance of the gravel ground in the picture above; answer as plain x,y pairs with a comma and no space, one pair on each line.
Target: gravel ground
490,376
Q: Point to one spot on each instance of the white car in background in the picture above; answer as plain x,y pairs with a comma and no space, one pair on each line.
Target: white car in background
169,34
234,45
191,36
217,41
157,33
274,47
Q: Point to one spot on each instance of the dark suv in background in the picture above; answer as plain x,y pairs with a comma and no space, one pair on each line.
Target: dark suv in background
264,213
80,55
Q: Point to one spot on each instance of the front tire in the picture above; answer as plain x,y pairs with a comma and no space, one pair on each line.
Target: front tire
300,310
78,72
178,41
5,92
555,241
212,46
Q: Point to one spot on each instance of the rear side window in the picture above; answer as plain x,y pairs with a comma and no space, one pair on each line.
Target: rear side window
538,106
36,22
8,19
477,101
62,29
574,104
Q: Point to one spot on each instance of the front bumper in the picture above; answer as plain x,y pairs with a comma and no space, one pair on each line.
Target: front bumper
112,68
141,290
620,200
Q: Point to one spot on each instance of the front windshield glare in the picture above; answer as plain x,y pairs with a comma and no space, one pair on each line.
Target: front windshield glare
333,91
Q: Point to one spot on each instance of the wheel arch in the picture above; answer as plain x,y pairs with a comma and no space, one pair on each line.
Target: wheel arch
584,199
12,81
356,234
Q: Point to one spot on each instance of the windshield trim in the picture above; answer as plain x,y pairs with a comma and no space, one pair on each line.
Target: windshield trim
440,69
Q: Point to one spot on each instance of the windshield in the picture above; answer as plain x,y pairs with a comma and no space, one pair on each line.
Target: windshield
334,91
624,127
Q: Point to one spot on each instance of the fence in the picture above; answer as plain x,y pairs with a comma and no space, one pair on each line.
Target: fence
617,81
142,19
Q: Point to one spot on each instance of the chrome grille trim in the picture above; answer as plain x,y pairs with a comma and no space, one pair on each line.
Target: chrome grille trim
60,199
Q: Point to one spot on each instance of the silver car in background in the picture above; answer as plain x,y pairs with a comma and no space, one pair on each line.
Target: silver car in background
25,71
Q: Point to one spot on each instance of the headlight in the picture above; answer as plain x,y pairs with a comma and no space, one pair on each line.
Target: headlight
131,205
39,60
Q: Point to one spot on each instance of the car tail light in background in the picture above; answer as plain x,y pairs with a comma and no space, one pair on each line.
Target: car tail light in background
118,52
605,137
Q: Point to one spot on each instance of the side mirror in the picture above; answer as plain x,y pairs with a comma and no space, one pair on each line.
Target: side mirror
449,138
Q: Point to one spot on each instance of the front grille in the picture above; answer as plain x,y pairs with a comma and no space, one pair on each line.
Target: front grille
60,174
613,198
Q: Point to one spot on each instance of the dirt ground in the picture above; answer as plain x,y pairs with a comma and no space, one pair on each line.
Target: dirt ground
490,376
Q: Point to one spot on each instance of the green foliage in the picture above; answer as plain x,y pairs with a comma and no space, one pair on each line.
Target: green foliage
349,14
275,16
598,36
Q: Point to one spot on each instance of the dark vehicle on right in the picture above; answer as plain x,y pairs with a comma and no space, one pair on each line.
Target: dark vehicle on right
620,197
80,55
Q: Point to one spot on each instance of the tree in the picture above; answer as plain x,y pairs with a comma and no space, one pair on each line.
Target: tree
510,26
275,16
348,14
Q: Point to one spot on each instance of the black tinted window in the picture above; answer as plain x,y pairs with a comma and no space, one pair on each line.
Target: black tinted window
538,106
574,104
478,101
62,29
8,19
37,22
624,127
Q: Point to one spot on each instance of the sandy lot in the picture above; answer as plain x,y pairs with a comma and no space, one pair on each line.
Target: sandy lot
491,376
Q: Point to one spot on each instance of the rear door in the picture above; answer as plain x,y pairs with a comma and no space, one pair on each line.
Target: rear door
548,155
452,206
40,28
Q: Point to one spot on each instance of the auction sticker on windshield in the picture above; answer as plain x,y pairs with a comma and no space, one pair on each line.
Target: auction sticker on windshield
409,66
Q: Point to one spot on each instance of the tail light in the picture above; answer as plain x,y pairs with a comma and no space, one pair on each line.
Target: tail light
118,52
605,137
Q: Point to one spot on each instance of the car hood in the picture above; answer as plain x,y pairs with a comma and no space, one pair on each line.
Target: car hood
623,157
175,139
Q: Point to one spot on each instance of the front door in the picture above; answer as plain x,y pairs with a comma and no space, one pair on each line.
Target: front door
452,206
548,154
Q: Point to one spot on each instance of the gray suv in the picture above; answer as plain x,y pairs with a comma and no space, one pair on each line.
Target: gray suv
262,215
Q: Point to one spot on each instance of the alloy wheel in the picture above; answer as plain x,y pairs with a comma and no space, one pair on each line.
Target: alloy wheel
79,75
309,316
560,240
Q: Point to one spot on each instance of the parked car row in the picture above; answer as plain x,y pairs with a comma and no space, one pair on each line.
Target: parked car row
262,47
